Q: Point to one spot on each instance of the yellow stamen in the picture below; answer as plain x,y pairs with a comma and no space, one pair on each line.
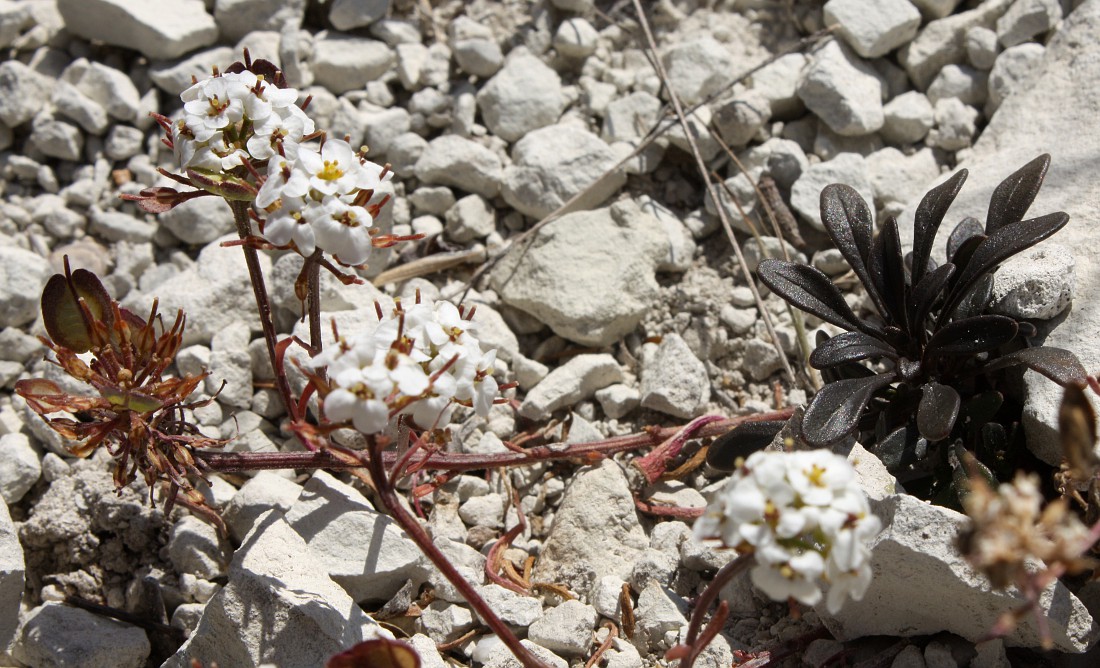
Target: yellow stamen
816,475
331,171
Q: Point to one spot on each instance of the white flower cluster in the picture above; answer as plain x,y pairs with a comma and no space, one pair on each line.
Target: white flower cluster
804,518
421,361
316,195
218,113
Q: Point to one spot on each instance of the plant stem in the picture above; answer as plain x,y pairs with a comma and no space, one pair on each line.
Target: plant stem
707,599
313,301
263,304
416,532
235,462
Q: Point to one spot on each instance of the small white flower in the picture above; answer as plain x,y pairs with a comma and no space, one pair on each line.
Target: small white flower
816,476
283,180
213,104
280,134
394,362
334,170
804,519
287,224
795,579
845,584
341,229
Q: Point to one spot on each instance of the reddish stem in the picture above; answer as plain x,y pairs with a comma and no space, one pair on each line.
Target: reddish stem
692,640
263,304
655,464
407,522
457,462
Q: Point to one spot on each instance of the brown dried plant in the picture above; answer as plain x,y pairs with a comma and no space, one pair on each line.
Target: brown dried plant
134,410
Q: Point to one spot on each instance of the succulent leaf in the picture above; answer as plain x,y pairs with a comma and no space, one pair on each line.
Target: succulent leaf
968,227
849,347
888,273
927,219
972,336
810,290
740,442
848,222
836,409
1002,244
923,297
939,407
1057,364
1012,198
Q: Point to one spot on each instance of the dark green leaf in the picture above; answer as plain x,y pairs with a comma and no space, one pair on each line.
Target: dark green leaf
972,336
981,408
808,289
848,222
65,321
965,251
939,406
1012,198
925,294
967,228
927,218
897,448
975,301
1003,244
849,347
740,442
888,273
1057,364
836,409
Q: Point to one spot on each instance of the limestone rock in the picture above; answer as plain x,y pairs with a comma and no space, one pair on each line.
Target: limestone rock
698,67
908,602
674,380
873,32
362,550
846,168
584,546
943,41
523,96
278,606
22,273
166,29
576,380
843,91
54,634
455,161
553,164
589,276
12,576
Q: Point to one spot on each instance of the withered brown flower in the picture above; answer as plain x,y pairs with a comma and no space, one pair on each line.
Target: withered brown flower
136,412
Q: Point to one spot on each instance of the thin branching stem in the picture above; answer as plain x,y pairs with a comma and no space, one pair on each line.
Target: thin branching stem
313,301
263,304
384,485
457,462
706,599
